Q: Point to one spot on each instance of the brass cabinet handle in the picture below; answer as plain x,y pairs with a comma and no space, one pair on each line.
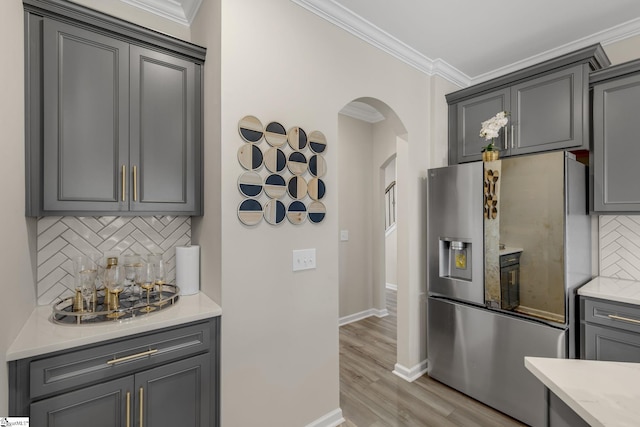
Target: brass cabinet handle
626,319
131,357
128,409
135,183
141,407
124,182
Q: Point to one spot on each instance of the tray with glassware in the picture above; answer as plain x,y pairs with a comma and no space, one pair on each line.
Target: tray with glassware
106,290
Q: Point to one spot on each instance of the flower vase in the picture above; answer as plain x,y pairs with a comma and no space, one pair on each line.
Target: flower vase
489,156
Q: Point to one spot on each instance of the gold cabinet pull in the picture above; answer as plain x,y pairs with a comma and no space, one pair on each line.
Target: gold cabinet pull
135,183
141,407
131,357
124,182
128,409
626,319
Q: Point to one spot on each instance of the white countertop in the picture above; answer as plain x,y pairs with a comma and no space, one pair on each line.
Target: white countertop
612,289
602,393
40,336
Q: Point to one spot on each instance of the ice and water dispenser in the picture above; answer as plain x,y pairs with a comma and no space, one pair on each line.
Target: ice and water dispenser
455,258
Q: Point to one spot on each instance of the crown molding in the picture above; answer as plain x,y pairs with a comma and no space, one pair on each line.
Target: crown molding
362,111
611,35
365,30
180,11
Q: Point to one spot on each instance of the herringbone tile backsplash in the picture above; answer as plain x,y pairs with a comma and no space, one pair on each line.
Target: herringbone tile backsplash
60,238
620,246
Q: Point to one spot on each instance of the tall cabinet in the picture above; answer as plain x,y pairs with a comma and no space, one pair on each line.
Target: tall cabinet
114,123
548,105
616,126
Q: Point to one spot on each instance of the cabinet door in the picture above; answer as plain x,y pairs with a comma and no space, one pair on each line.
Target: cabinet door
470,115
164,116
86,116
548,113
616,126
176,394
102,405
609,344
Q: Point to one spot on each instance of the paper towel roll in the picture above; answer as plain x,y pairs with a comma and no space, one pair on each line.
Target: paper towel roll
188,269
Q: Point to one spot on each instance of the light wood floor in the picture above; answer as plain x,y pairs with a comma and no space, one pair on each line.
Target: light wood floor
372,396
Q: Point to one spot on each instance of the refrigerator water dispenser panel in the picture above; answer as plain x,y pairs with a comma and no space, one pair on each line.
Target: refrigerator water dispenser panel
455,259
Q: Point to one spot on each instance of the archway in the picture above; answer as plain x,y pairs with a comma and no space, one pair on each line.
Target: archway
370,133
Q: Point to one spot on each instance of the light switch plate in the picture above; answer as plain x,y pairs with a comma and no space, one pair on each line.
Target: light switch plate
304,259
344,235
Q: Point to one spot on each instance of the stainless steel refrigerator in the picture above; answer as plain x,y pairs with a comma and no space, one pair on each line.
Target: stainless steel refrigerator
509,242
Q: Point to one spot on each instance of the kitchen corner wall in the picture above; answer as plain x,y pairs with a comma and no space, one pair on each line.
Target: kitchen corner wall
60,238
619,246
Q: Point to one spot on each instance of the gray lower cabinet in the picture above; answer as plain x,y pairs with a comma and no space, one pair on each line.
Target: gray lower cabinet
610,331
165,378
616,126
548,105
114,122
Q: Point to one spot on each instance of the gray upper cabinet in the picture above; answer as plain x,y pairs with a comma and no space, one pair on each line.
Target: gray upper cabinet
86,111
548,105
114,116
470,113
550,112
162,152
616,126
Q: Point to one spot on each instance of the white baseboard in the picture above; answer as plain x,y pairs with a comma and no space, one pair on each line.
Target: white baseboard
392,286
410,374
332,419
362,315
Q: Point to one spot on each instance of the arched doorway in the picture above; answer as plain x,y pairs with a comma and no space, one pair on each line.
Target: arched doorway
370,134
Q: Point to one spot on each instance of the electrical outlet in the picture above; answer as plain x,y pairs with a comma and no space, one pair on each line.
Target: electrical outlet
304,259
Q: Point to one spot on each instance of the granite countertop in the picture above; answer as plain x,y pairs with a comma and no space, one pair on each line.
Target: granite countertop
40,336
607,288
602,393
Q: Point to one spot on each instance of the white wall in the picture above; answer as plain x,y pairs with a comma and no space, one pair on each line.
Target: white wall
355,214
17,250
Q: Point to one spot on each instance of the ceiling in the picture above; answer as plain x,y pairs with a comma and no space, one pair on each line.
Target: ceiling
469,41
464,41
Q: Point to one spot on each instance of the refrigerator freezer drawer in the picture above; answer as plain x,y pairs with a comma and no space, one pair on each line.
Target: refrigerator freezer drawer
481,353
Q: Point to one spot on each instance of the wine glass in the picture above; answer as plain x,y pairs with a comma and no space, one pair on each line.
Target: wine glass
85,273
130,263
160,272
145,277
115,280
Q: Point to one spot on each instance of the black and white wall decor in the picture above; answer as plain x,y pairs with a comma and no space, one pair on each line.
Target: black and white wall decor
282,178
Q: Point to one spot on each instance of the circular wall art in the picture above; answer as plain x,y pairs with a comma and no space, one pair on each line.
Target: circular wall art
296,212
274,212
317,142
275,160
317,166
297,138
275,134
317,212
297,163
250,156
275,186
250,212
297,187
250,129
250,184
316,188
